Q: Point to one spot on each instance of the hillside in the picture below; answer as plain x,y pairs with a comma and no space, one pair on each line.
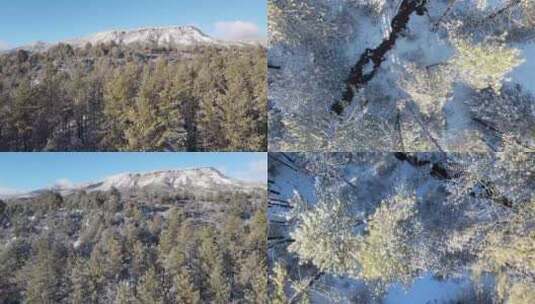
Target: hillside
188,236
158,89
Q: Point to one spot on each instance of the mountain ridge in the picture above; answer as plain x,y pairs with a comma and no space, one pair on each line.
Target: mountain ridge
172,35
204,178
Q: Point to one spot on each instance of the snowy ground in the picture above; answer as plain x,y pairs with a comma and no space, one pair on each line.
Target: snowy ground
426,290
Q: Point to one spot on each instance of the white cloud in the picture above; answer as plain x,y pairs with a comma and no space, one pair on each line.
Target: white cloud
237,30
255,171
4,45
64,183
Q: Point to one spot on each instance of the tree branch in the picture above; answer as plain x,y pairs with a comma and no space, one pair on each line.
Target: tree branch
504,9
446,12
441,172
271,156
279,242
358,76
311,282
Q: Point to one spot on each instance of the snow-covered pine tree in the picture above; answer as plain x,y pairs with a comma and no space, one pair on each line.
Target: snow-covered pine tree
446,52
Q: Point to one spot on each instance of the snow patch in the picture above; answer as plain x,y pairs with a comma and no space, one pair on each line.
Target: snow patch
422,44
426,290
525,73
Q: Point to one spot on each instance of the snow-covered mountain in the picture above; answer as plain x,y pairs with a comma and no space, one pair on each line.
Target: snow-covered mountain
165,181
200,178
162,36
183,35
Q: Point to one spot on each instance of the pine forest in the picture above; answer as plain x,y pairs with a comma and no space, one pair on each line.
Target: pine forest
134,247
135,97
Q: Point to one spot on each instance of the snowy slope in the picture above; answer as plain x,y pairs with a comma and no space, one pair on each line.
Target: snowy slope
183,35
174,179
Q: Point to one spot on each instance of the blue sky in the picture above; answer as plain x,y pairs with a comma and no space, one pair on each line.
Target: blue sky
26,21
30,171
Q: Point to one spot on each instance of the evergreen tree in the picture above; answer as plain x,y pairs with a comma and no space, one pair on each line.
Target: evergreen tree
209,120
253,276
115,258
485,65
279,280
80,278
44,277
97,272
185,291
237,109
174,135
169,236
124,294
149,288
12,260
119,94
143,115
140,263
21,115
219,282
